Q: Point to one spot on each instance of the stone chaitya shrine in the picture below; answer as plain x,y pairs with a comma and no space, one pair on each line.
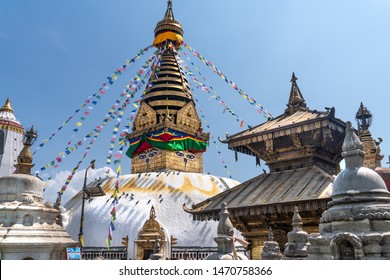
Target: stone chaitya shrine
357,224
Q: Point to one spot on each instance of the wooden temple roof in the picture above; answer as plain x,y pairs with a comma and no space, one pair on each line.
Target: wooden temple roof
309,188
286,124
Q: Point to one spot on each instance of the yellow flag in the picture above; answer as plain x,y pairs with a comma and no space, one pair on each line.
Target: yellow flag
81,239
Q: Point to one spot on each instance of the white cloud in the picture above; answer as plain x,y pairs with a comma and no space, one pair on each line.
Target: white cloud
54,185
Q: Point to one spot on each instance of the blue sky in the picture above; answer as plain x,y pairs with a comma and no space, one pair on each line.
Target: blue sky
54,54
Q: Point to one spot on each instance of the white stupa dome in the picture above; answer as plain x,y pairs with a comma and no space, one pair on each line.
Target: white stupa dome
165,191
355,178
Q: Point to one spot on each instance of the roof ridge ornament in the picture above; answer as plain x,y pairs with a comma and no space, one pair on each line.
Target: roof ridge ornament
296,100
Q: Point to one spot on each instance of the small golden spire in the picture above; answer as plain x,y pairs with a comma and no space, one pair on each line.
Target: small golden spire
25,159
7,106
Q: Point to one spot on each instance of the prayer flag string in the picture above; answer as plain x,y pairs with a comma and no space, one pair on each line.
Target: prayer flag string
98,129
208,89
113,212
251,101
70,177
212,137
109,116
110,80
136,84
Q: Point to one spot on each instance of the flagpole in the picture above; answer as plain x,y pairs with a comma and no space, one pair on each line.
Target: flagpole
83,198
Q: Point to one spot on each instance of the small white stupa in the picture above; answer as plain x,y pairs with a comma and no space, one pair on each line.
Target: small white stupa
357,223
29,228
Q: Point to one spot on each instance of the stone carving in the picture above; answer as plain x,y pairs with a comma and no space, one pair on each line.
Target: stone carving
28,199
48,204
225,226
225,240
271,250
297,239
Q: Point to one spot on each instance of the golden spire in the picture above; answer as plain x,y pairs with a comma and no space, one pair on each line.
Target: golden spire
25,159
167,105
168,28
7,106
169,11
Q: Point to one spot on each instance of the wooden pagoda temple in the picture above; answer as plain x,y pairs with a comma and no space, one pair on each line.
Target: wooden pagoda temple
302,149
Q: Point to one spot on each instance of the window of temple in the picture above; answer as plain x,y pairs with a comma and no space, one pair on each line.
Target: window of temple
2,142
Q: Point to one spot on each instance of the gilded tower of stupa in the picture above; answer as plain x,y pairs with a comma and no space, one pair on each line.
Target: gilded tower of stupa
167,132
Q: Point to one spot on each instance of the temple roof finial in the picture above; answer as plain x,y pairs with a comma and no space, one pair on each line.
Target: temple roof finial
169,11
7,106
363,117
152,213
296,100
293,78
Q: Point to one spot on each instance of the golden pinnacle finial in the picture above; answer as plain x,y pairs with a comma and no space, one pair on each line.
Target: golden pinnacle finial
169,11
7,106
168,29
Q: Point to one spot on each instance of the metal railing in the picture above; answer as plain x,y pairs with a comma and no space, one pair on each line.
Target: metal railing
197,253
115,253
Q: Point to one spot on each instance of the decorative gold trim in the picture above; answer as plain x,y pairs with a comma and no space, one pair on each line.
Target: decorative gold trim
11,127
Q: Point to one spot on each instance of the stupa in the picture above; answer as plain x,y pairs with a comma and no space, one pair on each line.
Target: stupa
296,247
357,223
30,229
225,239
167,143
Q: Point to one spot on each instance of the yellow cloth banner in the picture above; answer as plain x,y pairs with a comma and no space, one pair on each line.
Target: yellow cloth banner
168,35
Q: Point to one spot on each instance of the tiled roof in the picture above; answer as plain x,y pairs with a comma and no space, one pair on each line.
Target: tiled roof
285,124
277,188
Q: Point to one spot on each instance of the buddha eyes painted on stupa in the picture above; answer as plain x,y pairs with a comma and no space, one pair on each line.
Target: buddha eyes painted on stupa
187,155
148,154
